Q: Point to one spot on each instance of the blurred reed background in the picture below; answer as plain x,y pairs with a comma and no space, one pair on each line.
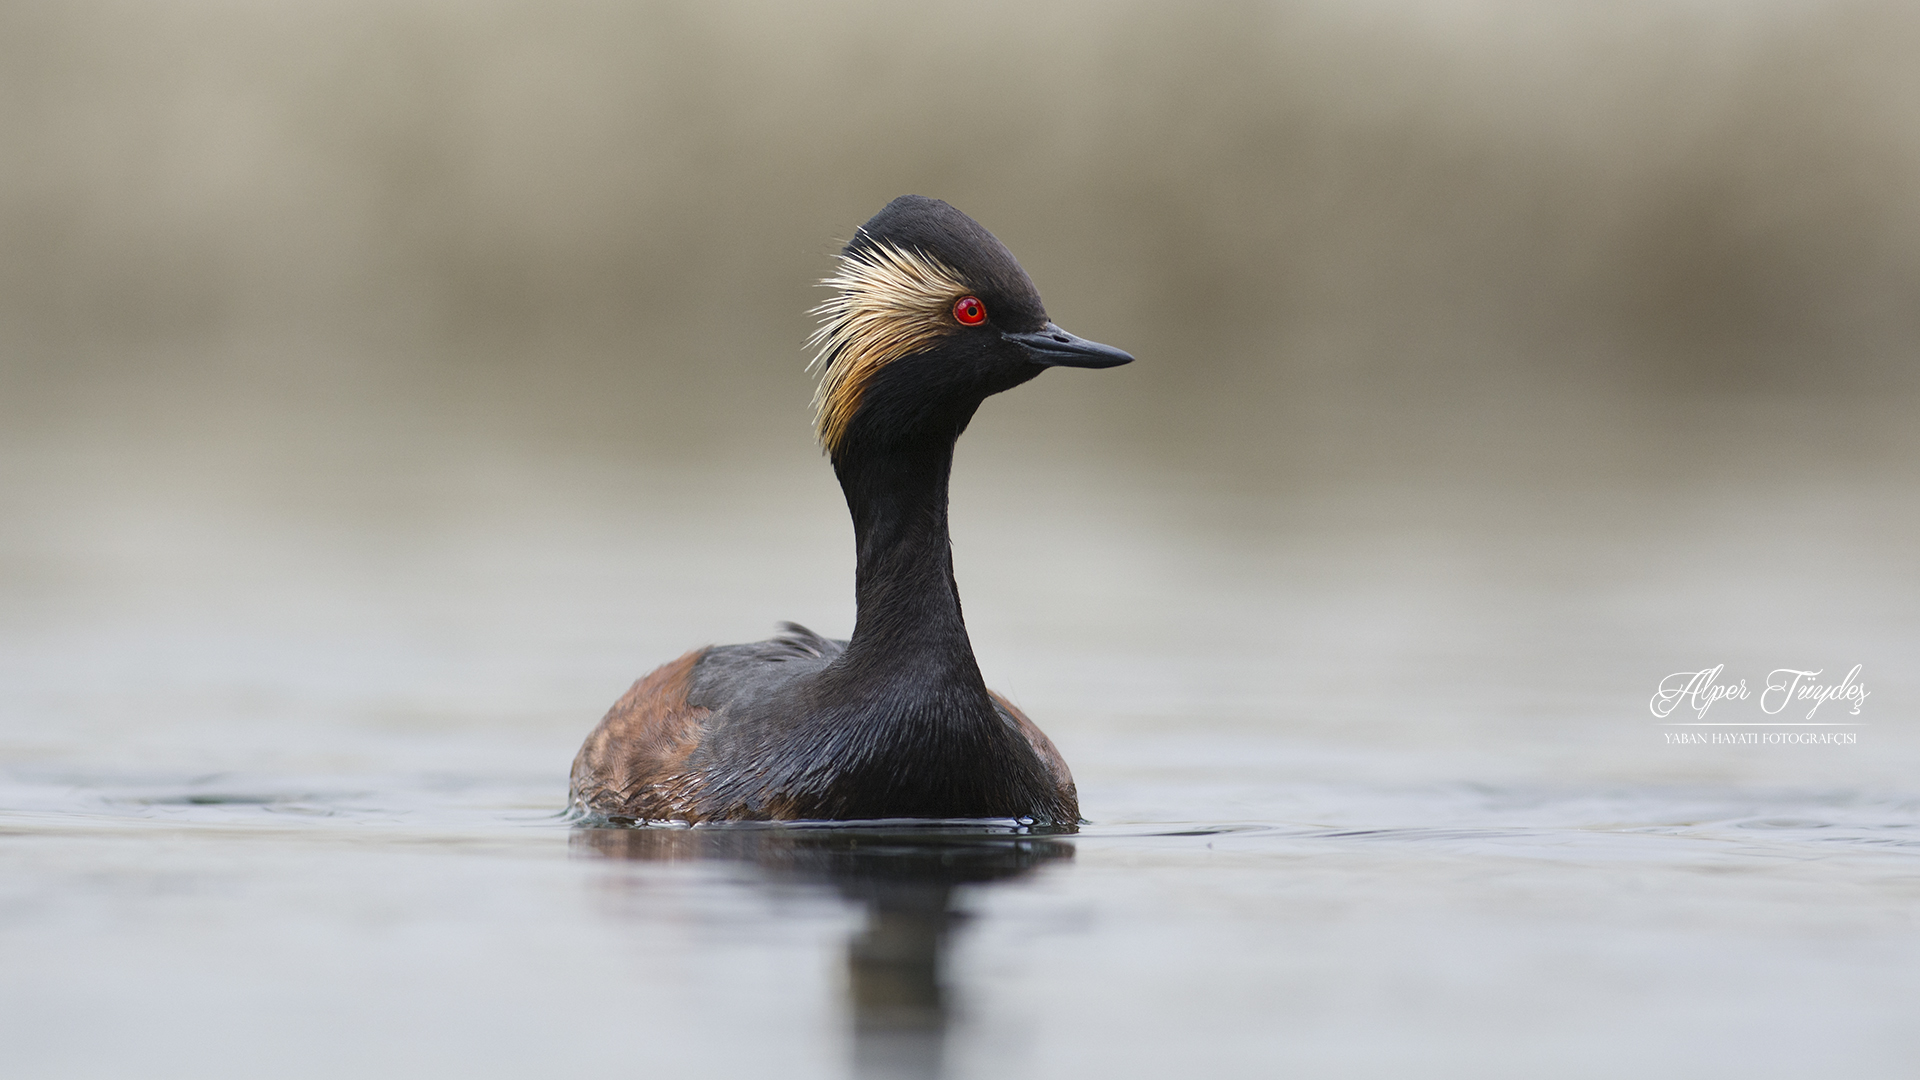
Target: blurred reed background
1348,240
442,360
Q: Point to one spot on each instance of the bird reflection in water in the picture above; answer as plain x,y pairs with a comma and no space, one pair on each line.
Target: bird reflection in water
903,876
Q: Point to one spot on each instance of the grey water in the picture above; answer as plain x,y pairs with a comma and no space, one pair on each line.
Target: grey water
1372,782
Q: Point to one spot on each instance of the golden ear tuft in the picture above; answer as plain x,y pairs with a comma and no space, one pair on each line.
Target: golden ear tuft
888,302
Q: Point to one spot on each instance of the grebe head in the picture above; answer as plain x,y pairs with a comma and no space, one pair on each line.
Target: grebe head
930,315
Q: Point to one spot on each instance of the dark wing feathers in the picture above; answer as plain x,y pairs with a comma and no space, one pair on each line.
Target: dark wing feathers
639,763
797,642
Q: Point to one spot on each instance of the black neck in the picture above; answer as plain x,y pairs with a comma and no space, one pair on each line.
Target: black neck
908,625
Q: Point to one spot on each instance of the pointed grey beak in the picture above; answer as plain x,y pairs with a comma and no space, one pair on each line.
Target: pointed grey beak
1055,347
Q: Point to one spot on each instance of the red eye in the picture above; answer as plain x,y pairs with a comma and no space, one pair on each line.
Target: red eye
969,311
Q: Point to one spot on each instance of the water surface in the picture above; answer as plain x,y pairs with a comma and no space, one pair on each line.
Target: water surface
1372,785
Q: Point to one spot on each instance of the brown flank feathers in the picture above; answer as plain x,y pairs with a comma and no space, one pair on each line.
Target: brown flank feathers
632,766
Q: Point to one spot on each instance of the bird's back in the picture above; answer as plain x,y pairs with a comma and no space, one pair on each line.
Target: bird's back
722,733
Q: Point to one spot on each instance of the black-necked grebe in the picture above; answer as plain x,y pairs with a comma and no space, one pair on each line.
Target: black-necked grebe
930,316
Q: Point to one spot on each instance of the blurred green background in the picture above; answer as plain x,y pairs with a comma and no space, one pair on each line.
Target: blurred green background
1399,241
